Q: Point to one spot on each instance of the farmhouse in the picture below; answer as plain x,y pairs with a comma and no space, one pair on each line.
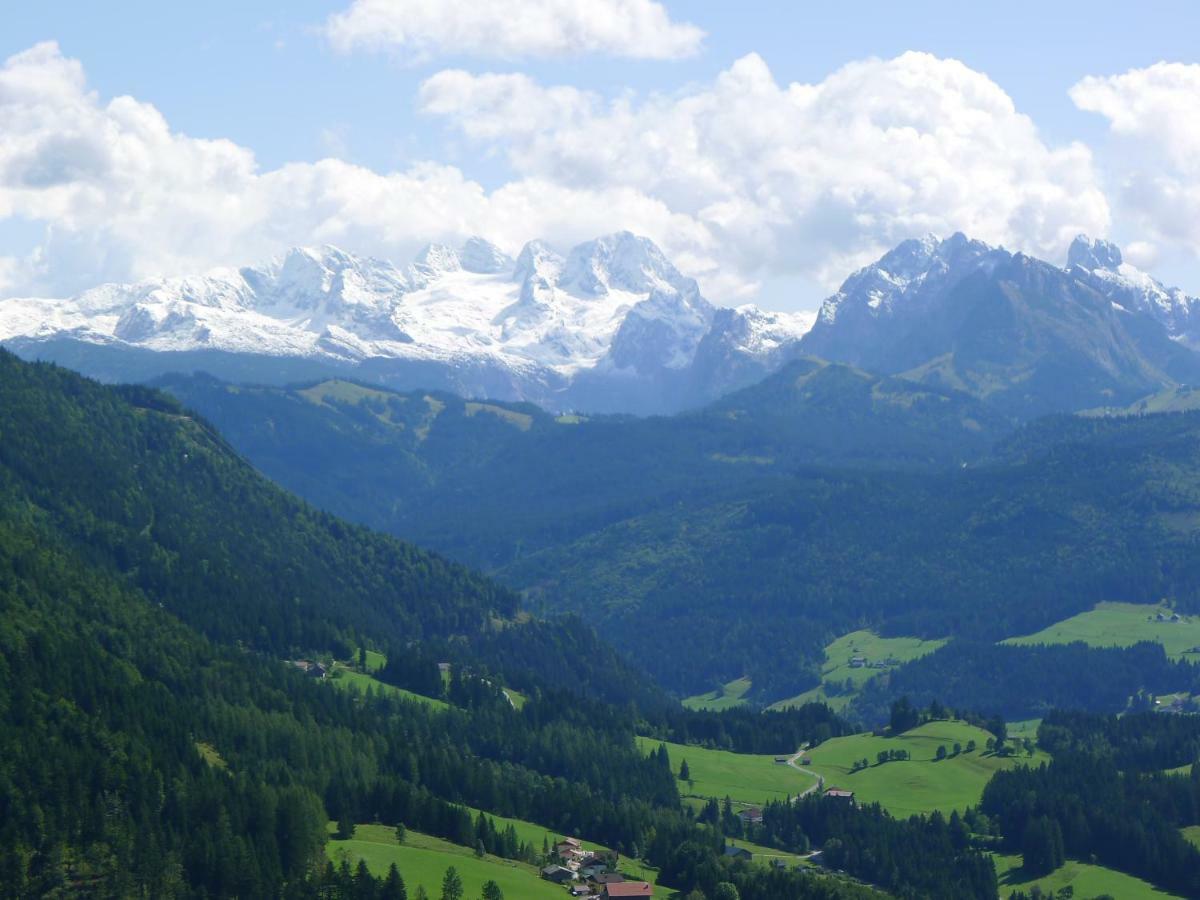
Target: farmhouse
312,669
857,662
751,815
839,794
557,874
738,852
628,889
609,878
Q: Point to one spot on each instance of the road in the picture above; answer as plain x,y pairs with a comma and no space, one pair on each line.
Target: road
819,782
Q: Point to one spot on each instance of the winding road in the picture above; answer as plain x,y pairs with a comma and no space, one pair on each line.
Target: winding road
819,782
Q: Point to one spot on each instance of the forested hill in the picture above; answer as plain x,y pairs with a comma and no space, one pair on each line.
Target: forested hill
762,527
144,758
485,482
138,487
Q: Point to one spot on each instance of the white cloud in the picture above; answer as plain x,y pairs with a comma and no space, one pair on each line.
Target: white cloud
738,180
1154,116
122,196
801,178
509,29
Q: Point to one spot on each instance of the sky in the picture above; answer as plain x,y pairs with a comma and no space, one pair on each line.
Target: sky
769,148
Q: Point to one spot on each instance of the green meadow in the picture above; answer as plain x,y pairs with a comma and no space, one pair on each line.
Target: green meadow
422,861
1120,625
728,696
535,835
745,778
922,783
1084,879
837,671
348,679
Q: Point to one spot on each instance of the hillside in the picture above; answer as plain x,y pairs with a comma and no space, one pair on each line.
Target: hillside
823,499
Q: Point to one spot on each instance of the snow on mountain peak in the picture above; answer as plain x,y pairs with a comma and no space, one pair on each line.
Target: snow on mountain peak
615,307
621,261
905,272
483,258
1088,254
437,259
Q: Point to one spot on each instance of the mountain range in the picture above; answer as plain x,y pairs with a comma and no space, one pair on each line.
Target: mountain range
613,326
610,326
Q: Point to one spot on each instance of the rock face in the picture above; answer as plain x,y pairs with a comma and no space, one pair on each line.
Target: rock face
1025,335
611,327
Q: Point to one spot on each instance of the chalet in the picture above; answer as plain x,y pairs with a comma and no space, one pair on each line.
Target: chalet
609,878
628,889
806,760
751,815
838,794
558,874
579,890
857,662
738,852
782,760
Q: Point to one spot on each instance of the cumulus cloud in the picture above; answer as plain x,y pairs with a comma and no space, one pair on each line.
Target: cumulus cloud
509,29
801,178
1154,116
122,196
739,179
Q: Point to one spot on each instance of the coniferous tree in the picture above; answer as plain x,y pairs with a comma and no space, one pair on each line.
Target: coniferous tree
452,886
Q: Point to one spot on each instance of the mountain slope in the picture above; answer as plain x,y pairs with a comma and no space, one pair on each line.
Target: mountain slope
138,487
613,325
420,465
1025,335
821,501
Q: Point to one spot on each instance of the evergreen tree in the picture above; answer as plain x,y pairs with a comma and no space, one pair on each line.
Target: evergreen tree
452,886
393,886
491,891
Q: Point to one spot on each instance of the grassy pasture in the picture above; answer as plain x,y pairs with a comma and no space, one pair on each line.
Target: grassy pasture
747,779
1087,880
837,670
422,861
922,783
348,679
729,696
1121,625
535,835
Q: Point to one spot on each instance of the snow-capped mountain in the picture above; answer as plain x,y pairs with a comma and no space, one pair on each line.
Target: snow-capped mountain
1026,335
1100,264
613,325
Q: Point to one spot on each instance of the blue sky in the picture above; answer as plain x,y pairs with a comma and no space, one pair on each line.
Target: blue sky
268,78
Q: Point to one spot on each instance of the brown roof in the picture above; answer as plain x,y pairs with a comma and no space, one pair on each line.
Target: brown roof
836,792
629,889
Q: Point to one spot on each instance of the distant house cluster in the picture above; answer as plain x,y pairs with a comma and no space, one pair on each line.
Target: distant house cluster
588,873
